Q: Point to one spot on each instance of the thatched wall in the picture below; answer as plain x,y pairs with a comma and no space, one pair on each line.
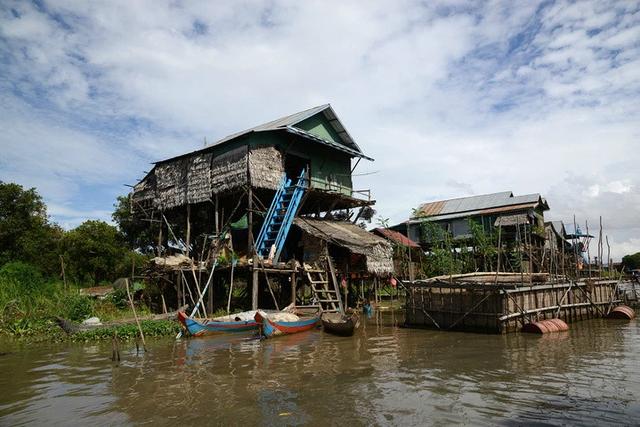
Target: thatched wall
172,183
199,178
184,180
229,171
266,168
146,189
195,178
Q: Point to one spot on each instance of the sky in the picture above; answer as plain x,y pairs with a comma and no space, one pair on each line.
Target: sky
451,98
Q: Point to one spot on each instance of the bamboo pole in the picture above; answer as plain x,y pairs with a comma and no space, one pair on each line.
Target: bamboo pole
164,304
160,238
188,242
254,283
233,265
575,241
293,287
499,250
200,295
185,284
135,315
608,256
586,224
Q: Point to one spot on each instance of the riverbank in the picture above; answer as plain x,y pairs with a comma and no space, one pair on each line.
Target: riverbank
38,330
31,309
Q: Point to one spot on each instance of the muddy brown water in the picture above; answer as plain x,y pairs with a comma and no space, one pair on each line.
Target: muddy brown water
384,375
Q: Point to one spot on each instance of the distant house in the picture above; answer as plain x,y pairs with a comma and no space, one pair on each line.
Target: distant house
503,210
407,254
557,236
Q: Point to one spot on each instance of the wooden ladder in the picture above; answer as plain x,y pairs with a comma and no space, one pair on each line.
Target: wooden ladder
327,296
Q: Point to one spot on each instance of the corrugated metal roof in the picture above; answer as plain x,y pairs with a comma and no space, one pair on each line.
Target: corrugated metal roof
558,227
396,237
473,213
287,123
475,203
282,122
331,144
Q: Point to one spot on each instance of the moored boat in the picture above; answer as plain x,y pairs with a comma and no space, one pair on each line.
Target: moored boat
340,324
239,322
274,324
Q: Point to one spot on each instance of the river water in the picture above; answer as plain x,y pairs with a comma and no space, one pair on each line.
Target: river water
385,375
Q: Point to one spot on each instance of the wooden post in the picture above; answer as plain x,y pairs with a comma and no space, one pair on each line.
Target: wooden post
608,256
233,265
345,305
254,284
188,242
160,236
293,287
64,277
586,224
250,248
135,315
217,219
164,304
200,296
179,290
530,255
499,249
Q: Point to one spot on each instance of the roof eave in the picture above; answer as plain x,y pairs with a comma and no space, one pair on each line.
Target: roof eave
331,144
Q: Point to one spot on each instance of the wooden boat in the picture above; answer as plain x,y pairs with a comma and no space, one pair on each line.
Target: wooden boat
340,324
239,322
274,324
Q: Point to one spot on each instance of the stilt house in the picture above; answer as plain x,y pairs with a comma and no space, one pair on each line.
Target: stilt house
263,202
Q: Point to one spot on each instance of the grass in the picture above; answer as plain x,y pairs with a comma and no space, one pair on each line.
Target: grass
150,328
29,305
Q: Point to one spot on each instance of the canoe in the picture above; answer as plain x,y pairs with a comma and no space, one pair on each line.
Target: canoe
340,324
274,324
239,322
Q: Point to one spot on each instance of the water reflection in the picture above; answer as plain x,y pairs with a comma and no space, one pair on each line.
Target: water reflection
382,375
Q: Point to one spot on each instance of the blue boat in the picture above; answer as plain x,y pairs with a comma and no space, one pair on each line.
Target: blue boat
271,325
240,322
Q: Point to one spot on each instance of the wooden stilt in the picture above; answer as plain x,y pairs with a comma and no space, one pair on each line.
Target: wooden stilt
188,242
254,284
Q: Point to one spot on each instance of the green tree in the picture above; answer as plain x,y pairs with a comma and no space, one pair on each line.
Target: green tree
93,251
137,232
25,232
631,261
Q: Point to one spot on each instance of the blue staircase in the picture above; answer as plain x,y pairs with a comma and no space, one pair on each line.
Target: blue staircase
280,216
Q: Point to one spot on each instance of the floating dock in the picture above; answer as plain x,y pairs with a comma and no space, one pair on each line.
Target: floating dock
497,303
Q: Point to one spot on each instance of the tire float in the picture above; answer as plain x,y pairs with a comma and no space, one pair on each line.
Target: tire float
546,326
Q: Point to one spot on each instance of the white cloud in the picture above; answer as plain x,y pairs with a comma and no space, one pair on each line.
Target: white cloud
450,98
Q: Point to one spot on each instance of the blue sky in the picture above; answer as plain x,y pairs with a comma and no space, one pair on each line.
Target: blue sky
451,98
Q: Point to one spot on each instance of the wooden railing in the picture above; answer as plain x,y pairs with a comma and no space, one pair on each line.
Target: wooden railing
339,188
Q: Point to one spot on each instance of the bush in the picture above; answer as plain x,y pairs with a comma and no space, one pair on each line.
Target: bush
119,298
79,307
26,277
